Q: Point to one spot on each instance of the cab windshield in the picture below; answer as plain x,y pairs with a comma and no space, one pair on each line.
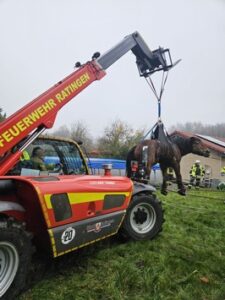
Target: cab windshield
47,156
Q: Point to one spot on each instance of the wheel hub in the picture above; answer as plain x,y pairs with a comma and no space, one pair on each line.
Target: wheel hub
140,216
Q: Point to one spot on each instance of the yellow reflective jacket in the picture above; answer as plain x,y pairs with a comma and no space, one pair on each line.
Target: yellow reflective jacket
25,156
197,170
222,171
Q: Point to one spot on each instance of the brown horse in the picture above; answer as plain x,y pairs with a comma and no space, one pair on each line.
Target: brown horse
167,154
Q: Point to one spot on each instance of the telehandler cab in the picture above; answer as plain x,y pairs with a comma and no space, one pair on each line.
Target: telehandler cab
67,208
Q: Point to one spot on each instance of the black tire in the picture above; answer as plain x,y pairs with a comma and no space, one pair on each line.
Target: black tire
15,258
144,218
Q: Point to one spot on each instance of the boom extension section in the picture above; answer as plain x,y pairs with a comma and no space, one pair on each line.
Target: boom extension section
147,61
18,131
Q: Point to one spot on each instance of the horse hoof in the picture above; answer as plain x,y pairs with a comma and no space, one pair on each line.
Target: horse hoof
164,192
182,192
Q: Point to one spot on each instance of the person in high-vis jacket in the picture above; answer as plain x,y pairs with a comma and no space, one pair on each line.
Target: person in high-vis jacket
196,174
24,156
37,159
222,171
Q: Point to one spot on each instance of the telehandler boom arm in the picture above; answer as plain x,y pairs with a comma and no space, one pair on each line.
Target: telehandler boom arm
21,128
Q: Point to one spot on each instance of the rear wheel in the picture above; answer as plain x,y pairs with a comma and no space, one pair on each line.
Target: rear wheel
15,257
144,218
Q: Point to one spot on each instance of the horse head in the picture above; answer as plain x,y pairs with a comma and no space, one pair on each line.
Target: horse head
198,147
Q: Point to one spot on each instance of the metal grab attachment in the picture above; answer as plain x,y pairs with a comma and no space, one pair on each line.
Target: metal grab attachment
148,62
160,61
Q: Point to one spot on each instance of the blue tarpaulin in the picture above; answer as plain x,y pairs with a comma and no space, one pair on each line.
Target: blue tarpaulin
97,163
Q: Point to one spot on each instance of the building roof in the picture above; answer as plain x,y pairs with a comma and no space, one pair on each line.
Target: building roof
212,139
213,143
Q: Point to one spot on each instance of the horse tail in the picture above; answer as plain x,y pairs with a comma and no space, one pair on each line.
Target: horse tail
138,152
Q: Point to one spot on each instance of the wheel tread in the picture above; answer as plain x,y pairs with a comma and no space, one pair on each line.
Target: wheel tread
126,230
14,232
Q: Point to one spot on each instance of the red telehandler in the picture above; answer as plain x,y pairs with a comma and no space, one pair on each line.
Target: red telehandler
68,208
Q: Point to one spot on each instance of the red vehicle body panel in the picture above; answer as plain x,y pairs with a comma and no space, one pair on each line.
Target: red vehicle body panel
78,198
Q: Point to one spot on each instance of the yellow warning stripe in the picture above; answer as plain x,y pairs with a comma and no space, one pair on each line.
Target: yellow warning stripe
83,245
52,239
77,198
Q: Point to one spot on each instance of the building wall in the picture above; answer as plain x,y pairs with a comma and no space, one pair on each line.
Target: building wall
214,163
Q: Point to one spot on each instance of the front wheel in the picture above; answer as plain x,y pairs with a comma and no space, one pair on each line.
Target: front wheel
15,257
144,218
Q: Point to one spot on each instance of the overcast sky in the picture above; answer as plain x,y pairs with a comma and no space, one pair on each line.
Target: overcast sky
42,40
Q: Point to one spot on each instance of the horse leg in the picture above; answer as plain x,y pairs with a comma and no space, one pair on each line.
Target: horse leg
181,188
148,169
151,160
164,184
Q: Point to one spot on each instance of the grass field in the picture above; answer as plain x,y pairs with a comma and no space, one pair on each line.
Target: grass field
186,261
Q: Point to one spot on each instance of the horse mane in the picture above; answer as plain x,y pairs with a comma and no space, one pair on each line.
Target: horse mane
184,144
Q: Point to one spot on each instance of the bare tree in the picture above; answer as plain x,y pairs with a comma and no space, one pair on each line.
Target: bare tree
79,132
63,131
118,138
2,115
